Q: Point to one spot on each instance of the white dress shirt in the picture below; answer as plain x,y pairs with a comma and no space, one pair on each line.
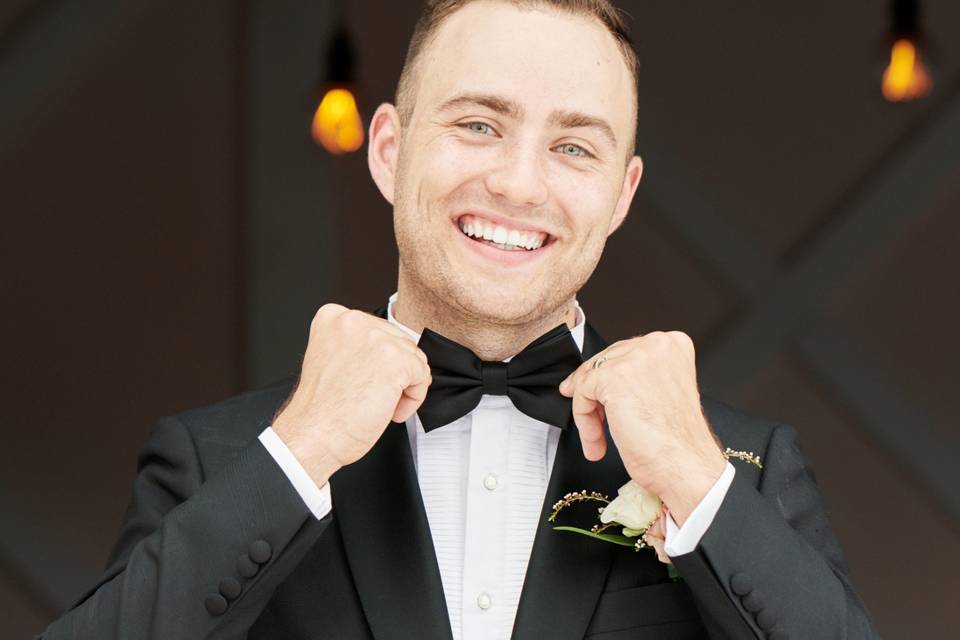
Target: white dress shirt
483,489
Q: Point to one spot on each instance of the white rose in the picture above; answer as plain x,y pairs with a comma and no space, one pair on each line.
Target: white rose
634,507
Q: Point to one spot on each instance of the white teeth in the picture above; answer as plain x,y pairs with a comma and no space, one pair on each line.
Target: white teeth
503,238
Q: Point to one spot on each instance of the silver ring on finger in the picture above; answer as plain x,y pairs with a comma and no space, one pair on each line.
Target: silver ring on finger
599,361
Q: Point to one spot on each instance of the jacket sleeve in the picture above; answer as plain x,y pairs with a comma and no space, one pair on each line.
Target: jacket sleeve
197,557
769,565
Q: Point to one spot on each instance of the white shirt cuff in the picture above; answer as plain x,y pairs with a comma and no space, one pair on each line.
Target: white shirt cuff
681,540
316,498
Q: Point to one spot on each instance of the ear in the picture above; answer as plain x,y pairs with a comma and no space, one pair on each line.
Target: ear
384,148
631,178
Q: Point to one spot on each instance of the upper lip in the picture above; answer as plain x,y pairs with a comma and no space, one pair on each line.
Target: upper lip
504,221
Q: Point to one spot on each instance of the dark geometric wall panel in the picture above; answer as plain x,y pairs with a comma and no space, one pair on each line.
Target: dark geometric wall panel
121,269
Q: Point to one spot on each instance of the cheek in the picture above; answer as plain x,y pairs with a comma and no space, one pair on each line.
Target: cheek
447,164
588,206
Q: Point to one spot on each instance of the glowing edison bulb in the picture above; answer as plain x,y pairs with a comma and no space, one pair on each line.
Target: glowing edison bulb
906,77
337,124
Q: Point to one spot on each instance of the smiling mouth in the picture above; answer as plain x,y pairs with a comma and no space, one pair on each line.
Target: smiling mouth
501,237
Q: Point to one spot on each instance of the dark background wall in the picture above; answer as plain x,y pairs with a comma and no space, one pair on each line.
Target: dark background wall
169,228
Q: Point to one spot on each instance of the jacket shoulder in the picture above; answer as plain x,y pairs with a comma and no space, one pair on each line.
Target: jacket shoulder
239,419
737,428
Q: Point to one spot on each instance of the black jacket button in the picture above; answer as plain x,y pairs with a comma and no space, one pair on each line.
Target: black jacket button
752,602
247,567
216,604
766,619
741,584
230,588
260,551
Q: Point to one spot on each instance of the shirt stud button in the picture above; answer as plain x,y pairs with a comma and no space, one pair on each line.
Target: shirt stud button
484,601
490,482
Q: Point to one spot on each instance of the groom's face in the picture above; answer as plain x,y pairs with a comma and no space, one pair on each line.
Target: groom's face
522,130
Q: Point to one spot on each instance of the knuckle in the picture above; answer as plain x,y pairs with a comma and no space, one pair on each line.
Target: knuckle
682,341
392,349
352,316
322,315
583,378
661,341
638,355
352,323
329,309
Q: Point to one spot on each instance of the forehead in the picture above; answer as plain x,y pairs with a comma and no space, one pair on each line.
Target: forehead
542,58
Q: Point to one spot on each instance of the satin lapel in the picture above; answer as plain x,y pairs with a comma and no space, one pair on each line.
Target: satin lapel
386,535
567,571
379,508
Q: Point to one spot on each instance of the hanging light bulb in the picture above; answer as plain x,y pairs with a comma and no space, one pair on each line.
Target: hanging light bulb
907,75
337,124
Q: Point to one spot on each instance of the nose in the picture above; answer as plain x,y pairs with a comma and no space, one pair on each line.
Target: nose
519,176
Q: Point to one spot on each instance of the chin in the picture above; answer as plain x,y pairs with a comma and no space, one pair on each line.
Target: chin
503,306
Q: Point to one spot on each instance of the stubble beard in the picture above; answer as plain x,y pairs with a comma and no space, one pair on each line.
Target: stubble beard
456,304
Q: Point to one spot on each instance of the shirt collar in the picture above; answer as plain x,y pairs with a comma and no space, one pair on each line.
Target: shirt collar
576,332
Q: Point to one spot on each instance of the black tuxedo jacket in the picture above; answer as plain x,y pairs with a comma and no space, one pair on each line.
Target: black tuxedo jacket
218,544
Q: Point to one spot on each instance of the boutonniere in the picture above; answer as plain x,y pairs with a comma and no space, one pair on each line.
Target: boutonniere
637,513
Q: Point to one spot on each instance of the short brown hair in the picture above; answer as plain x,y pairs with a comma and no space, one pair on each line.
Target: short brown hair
436,11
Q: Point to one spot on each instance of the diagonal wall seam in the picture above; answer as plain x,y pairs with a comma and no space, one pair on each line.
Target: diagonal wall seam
779,305
47,48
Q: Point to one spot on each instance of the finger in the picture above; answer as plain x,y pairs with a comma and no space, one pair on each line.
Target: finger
411,399
411,347
391,328
611,352
415,392
405,344
406,341
592,440
586,414
409,402
395,332
569,384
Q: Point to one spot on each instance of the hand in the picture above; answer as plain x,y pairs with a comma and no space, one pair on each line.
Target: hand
646,389
359,373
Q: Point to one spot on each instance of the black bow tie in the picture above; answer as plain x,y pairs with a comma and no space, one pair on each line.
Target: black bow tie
531,378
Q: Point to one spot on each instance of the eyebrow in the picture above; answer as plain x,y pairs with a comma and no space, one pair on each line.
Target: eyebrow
575,120
498,104
513,109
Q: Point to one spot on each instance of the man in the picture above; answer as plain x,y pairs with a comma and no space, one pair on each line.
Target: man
388,494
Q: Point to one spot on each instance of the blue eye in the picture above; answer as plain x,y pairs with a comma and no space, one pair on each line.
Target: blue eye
478,127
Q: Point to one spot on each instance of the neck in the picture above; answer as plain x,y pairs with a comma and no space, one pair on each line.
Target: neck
488,338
